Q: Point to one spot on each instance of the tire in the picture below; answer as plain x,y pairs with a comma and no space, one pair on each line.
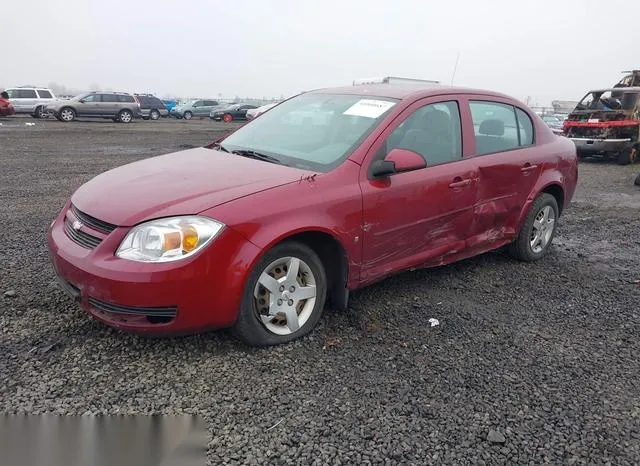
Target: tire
637,180
41,113
67,114
125,116
187,115
257,330
624,157
522,249
227,117
154,114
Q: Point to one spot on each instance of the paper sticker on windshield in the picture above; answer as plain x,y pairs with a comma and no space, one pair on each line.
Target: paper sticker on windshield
369,108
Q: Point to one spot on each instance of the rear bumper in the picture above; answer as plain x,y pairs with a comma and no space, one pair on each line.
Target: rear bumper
196,294
596,145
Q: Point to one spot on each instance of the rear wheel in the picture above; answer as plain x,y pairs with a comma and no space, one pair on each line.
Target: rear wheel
637,181
41,113
538,230
154,114
284,296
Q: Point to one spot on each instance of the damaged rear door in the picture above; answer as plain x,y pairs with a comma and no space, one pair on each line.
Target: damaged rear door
508,165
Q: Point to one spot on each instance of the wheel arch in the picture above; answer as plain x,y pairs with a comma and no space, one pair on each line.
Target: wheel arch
332,254
557,191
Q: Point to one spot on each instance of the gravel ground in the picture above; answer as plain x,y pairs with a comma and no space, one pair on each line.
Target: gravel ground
531,364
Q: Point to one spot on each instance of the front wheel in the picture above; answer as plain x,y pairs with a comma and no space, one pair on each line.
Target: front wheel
624,156
67,114
284,296
227,117
637,180
125,116
188,115
538,230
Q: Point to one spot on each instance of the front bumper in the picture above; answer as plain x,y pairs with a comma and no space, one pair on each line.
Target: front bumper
198,293
597,145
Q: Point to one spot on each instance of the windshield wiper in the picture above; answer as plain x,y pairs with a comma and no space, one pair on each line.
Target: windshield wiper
257,155
217,145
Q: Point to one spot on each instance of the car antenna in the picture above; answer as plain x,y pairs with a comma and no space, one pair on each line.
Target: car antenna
455,68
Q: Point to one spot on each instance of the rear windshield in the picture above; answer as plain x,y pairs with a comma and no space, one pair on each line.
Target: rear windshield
609,100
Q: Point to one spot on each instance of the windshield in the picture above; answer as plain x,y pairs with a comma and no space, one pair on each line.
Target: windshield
312,131
608,100
81,96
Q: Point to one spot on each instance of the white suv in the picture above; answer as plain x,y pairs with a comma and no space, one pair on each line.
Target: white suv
31,100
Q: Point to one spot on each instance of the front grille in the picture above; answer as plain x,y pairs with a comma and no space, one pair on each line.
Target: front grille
139,311
83,239
98,225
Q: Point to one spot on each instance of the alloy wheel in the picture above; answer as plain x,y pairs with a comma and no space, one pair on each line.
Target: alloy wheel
285,295
542,230
67,114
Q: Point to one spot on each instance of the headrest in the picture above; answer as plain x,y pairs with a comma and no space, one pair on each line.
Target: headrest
492,127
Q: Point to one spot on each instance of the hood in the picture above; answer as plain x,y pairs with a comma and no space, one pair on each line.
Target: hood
181,183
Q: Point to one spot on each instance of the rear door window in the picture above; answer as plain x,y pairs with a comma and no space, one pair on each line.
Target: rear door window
125,98
495,127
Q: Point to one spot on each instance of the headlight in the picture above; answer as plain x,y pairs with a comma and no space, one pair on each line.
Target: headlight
168,239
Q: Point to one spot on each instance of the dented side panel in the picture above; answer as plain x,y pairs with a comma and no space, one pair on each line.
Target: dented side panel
504,182
411,218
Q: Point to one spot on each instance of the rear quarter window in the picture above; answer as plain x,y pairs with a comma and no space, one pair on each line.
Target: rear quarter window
525,128
44,94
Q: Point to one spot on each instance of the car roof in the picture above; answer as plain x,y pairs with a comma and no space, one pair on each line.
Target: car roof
413,91
617,89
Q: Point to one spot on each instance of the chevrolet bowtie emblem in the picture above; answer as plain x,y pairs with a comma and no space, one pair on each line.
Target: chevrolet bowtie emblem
76,225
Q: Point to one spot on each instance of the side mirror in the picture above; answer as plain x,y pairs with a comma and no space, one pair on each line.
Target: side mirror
398,161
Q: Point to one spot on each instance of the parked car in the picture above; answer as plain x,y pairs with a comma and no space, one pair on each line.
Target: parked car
198,108
169,104
31,100
6,108
118,106
259,229
606,124
554,123
232,112
254,112
151,108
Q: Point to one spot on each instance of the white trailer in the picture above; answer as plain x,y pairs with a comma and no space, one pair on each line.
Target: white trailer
394,80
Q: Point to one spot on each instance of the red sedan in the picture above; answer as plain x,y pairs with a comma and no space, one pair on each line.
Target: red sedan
327,192
6,108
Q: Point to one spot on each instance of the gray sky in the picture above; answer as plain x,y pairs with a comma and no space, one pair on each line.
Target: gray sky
543,49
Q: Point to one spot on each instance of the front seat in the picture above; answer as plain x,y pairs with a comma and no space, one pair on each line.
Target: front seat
431,138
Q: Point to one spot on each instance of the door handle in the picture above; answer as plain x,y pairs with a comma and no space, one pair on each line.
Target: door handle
528,167
459,182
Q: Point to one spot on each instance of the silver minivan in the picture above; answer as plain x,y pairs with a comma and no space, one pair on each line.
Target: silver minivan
31,100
